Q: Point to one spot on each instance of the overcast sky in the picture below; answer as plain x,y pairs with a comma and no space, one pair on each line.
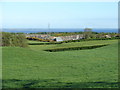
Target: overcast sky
59,14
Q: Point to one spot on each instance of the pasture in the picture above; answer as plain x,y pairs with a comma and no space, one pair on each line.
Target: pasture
32,67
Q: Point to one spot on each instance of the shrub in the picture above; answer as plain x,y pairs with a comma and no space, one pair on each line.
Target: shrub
13,39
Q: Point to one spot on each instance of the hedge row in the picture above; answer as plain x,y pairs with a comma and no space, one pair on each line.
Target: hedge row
53,42
13,39
90,39
42,40
75,48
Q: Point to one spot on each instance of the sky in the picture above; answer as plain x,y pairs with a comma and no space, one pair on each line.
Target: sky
60,0
59,14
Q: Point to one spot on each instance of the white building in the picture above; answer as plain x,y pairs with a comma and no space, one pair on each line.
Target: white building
58,39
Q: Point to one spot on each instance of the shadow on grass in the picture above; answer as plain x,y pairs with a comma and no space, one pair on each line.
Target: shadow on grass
52,83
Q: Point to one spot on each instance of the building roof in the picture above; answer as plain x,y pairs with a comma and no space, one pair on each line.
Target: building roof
58,39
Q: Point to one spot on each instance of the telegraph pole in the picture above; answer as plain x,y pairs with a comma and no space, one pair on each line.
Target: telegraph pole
48,28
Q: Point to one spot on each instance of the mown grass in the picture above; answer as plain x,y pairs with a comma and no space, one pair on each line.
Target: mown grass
34,68
32,41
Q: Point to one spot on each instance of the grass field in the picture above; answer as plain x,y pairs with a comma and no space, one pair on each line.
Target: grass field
31,41
33,67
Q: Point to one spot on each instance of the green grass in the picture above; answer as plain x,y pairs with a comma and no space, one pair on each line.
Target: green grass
72,44
34,68
32,41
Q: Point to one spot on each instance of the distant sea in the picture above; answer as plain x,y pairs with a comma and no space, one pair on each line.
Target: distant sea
57,30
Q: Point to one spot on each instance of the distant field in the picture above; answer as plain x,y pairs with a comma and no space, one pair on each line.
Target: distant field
34,68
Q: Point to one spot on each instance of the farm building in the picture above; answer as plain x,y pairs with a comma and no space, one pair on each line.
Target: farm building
58,39
107,36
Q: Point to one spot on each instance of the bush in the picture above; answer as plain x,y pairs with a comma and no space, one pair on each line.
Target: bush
13,39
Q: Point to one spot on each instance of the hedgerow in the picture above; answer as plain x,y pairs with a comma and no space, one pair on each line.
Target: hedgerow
75,48
13,39
38,39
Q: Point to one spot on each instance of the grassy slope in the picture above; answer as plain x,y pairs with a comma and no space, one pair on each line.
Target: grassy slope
32,67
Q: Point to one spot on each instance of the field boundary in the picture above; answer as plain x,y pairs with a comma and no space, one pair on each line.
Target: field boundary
75,48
